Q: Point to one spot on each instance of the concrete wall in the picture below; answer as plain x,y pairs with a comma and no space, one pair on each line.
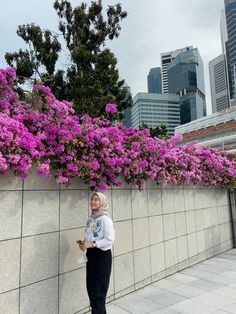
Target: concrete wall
158,232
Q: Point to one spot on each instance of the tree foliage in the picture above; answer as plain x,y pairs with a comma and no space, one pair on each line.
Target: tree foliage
91,78
159,131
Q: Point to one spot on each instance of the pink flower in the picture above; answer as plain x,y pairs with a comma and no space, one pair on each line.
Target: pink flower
62,179
105,141
111,108
51,135
44,169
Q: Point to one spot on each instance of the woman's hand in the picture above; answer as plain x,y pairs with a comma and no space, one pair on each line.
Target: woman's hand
88,244
81,245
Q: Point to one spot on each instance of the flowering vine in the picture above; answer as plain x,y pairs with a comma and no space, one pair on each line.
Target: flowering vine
52,138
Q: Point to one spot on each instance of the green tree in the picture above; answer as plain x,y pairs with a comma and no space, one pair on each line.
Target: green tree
160,131
91,78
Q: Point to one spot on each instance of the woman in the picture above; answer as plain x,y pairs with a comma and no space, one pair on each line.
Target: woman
98,240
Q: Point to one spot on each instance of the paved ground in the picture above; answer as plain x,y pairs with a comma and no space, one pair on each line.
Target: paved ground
208,287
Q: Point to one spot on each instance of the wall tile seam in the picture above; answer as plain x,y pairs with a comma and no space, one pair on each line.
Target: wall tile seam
142,281
153,244
11,190
35,282
214,246
122,189
181,264
185,214
7,291
71,229
59,252
161,273
116,221
175,232
21,245
124,220
30,284
71,270
164,214
10,239
132,228
40,234
82,311
222,243
44,233
109,189
40,190
76,189
123,290
113,248
163,233
222,224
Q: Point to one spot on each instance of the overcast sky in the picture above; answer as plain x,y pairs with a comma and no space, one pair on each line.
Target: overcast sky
152,27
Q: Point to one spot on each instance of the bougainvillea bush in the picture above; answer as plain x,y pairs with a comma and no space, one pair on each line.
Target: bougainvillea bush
47,134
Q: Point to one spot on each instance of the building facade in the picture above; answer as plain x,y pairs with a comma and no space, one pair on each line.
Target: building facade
186,79
166,59
154,81
230,44
156,109
218,82
217,130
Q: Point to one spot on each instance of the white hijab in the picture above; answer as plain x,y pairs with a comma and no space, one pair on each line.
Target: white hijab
103,208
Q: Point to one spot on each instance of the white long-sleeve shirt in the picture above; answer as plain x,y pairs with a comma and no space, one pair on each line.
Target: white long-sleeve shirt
100,230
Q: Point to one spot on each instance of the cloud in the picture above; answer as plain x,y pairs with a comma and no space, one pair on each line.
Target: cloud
152,27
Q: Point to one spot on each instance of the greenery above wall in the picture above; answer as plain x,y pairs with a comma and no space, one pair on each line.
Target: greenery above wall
90,77
48,134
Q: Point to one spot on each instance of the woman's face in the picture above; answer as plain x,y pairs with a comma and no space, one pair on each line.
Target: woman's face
95,202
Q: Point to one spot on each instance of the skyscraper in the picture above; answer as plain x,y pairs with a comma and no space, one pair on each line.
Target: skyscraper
218,81
154,110
154,81
166,59
186,79
230,12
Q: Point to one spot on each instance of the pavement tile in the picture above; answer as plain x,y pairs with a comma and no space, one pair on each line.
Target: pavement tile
164,311
220,278
205,288
191,307
166,283
149,289
165,298
230,309
205,285
137,305
210,268
183,278
113,309
186,291
230,274
220,312
214,300
227,291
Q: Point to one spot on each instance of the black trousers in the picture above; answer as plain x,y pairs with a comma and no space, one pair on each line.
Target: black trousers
98,271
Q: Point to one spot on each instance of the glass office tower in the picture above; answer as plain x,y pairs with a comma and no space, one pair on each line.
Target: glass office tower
156,109
154,81
230,12
186,79
218,81
166,59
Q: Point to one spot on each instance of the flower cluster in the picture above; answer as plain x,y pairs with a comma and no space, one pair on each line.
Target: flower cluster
52,138
111,108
